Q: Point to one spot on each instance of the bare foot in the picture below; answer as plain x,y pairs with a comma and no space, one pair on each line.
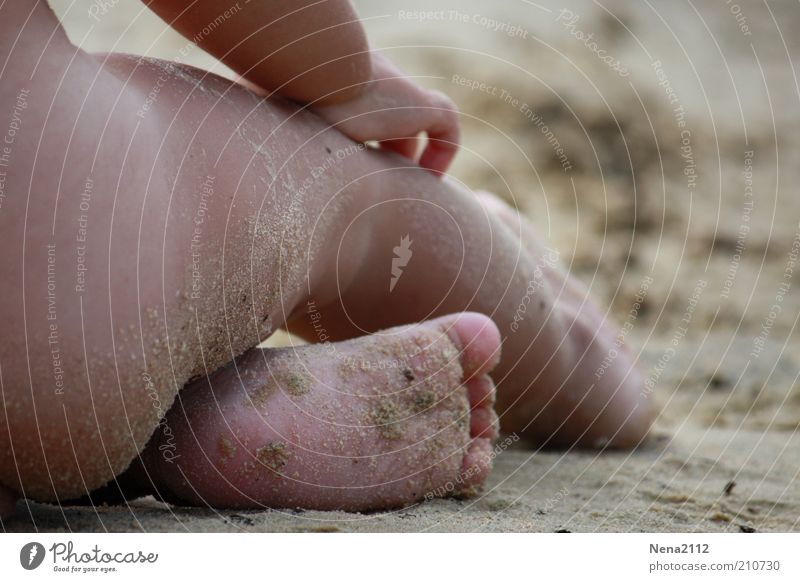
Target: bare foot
584,411
376,422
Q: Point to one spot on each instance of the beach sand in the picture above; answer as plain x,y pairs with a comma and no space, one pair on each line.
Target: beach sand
660,157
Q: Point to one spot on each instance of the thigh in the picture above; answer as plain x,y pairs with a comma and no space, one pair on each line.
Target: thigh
158,223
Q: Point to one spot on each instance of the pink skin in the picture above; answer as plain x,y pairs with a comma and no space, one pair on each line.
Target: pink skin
395,111
143,326
310,427
317,53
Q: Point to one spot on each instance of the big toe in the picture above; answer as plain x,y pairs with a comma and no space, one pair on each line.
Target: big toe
477,339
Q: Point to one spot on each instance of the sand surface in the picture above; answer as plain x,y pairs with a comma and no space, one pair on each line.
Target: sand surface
712,224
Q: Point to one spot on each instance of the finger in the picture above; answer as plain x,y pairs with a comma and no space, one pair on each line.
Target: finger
443,137
405,146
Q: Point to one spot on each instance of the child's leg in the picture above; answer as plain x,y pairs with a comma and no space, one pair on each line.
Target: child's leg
157,247
163,221
563,377
331,455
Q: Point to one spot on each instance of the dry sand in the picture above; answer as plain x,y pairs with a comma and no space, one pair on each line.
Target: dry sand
725,454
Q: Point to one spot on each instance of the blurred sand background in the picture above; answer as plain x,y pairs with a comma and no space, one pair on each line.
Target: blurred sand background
685,235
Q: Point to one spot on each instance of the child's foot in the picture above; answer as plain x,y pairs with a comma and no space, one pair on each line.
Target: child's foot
376,422
586,411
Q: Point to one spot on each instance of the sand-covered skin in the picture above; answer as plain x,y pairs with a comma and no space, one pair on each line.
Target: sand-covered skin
676,483
731,409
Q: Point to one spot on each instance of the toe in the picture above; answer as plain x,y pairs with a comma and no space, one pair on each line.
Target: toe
481,392
477,464
478,340
483,422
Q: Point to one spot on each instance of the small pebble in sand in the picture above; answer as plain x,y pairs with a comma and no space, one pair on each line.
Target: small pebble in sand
720,517
729,487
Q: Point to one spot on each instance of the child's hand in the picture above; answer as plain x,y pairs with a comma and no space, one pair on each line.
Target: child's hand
393,110
317,53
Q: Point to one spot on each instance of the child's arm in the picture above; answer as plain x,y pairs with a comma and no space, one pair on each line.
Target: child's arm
316,52
305,50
